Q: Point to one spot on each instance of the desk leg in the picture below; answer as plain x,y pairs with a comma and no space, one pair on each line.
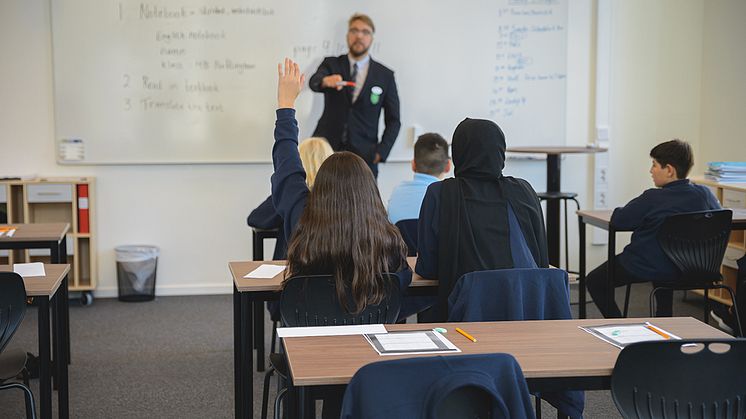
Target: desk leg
247,342
65,302
45,370
553,209
237,350
61,354
581,270
259,334
611,262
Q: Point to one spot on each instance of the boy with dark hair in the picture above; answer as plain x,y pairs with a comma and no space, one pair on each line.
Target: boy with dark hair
643,259
430,164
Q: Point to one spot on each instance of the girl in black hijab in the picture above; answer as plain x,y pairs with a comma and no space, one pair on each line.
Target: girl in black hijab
464,224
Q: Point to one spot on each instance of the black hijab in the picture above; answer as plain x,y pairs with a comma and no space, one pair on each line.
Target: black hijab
474,232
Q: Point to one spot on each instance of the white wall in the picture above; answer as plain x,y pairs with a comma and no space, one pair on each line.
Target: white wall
196,214
724,81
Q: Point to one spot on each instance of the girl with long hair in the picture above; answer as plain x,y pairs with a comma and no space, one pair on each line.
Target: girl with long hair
340,226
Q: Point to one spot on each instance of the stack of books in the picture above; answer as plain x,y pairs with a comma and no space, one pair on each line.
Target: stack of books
726,171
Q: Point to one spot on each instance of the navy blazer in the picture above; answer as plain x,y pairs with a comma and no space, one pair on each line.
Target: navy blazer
354,126
517,294
414,387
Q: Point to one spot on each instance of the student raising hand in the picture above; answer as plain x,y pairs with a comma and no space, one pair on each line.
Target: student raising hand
290,81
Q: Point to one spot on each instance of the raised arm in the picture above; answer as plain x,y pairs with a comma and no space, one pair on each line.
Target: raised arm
289,190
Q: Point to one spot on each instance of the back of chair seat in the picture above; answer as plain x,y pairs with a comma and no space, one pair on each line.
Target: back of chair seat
408,230
454,387
696,242
681,379
312,301
12,305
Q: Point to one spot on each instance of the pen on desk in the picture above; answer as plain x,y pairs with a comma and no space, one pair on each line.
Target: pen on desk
658,331
466,335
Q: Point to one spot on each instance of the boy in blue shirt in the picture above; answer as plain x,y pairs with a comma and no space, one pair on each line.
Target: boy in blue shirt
643,259
430,164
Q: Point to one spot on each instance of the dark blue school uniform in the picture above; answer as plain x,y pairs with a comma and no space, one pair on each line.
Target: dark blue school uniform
289,189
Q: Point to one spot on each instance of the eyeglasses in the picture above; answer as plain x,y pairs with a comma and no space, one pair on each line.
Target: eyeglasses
356,31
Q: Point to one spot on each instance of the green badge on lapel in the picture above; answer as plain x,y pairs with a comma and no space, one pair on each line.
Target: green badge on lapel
375,94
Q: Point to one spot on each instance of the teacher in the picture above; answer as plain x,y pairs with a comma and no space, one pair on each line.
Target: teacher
355,89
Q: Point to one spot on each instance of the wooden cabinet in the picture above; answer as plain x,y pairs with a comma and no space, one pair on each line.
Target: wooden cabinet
48,200
730,195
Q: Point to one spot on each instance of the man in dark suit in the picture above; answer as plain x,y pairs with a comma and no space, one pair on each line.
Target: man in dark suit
355,89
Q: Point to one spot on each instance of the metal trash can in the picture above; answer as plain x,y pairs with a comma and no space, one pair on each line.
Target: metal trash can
136,267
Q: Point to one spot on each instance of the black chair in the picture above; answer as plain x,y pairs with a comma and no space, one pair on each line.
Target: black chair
12,311
681,378
312,301
695,242
564,197
408,230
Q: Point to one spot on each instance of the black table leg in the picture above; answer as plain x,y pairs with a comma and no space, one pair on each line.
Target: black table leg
45,370
247,342
259,334
581,270
62,353
611,258
553,209
65,302
237,350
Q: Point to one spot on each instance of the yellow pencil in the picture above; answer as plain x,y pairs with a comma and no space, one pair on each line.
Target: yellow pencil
658,331
466,335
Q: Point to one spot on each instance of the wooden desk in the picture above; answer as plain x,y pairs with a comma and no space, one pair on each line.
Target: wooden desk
247,294
602,220
553,186
553,354
46,289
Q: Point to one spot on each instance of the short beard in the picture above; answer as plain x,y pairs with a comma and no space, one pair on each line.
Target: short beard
356,55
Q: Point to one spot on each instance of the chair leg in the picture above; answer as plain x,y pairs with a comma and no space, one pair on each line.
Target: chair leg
538,407
278,402
707,306
28,397
626,300
265,391
274,338
567,241
739,332
652,301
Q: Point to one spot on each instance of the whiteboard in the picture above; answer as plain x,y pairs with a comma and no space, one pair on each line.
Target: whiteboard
186,81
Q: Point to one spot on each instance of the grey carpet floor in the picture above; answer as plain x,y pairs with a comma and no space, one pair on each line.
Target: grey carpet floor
173,358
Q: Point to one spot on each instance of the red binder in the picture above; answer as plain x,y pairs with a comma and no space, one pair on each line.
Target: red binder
83,222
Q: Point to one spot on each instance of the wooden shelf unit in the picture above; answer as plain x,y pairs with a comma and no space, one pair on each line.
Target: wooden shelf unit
730,195
48,200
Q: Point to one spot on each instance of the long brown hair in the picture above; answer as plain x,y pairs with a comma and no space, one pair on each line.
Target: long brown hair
344,231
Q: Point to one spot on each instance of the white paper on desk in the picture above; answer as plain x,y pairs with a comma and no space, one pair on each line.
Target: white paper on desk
411,342
265,271
621,335
29,269
361,329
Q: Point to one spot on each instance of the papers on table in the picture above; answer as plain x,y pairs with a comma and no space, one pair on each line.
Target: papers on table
265,271
411,342
7,231
621,335
29,269
291,332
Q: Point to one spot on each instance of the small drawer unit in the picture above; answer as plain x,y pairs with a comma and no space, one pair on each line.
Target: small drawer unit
47,193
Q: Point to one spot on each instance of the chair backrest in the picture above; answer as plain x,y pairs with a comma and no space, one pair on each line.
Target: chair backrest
408,230
511,294
458,386
12,305
312,301
681,379
696,242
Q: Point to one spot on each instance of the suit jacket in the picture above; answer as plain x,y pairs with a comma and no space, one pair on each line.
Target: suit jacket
354,126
